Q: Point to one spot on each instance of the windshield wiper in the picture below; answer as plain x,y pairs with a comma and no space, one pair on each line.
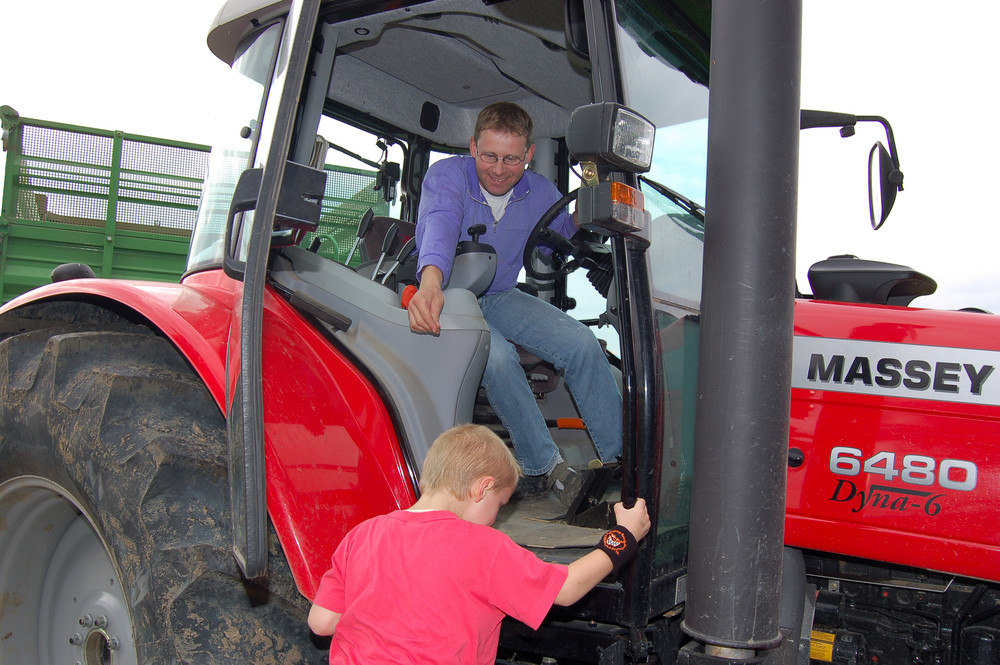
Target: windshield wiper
679,199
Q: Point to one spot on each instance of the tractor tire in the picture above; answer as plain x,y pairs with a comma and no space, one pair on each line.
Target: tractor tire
115,534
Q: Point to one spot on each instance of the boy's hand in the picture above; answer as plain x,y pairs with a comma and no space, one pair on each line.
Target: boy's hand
635,519
587,571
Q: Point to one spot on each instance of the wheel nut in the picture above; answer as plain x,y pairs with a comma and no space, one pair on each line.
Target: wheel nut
114,643
76,639
86,620
101,621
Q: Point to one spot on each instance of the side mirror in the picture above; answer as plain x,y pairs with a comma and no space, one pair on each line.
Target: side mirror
576,29
884,176
884,180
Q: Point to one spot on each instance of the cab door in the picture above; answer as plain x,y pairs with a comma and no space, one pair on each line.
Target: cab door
247,248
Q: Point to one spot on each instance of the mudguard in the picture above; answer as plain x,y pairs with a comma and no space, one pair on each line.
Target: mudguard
331,450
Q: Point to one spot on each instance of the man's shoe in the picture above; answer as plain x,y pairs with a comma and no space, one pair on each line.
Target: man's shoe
568,484
531,487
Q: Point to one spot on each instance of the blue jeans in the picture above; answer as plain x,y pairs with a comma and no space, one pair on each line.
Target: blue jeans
552,335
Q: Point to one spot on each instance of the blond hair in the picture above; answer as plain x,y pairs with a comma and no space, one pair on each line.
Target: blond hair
506,118
463,454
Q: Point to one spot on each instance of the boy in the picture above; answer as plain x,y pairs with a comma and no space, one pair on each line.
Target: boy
431,584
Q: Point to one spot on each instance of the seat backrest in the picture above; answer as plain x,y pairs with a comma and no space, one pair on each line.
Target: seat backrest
371,245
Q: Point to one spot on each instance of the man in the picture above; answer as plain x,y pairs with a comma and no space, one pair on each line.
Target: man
493,186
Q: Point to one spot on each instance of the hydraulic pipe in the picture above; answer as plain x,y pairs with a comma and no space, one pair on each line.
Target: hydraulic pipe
741,429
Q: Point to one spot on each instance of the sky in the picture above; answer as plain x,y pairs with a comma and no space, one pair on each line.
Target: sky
144,68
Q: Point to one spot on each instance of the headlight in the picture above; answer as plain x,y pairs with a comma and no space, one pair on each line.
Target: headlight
611,135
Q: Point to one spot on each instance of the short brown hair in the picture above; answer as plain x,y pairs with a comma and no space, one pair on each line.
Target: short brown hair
505,117
464,453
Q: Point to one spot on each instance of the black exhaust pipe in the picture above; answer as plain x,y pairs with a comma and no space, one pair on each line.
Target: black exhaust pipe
741,431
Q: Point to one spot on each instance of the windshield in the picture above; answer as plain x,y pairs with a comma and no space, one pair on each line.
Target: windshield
678,107
236,123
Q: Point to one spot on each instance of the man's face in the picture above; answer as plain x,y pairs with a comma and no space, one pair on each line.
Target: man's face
499,177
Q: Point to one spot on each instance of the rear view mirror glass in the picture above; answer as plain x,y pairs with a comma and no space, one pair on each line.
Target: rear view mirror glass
881,188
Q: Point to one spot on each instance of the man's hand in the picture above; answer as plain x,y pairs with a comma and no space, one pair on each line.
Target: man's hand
425,306
635,519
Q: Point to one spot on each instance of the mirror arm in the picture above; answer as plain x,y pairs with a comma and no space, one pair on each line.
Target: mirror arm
809,119
892,146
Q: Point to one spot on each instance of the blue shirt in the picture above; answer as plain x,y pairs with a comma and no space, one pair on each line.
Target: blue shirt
451,201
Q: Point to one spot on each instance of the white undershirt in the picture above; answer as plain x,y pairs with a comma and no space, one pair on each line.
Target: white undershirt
497,203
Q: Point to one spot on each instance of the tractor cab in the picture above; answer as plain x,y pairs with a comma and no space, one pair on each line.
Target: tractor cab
391,91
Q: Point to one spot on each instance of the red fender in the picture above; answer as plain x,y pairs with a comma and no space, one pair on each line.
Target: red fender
332,453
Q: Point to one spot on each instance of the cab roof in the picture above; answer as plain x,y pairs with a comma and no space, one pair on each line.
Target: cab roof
427,68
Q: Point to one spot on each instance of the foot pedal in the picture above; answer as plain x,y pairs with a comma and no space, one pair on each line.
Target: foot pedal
581,497
601,516
592,493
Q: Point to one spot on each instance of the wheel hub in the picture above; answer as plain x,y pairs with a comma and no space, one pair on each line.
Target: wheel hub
63,598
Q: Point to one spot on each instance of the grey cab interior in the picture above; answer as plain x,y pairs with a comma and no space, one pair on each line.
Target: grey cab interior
471,54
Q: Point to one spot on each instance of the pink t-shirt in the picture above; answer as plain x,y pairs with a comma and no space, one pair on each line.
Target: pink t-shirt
430,587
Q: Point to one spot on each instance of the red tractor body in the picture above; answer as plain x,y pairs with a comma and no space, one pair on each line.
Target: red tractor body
895,419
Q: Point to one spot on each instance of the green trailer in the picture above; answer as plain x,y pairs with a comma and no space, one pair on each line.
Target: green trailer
125,204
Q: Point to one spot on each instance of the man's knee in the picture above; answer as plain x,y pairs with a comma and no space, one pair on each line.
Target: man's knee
502,355
586,347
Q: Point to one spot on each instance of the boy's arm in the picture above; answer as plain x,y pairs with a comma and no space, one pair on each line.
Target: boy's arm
586,572
323,621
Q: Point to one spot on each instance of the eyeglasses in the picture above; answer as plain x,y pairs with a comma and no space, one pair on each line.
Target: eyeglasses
508,160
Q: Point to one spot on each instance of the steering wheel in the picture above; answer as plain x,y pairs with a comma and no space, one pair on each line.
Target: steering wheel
541,234
586,247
